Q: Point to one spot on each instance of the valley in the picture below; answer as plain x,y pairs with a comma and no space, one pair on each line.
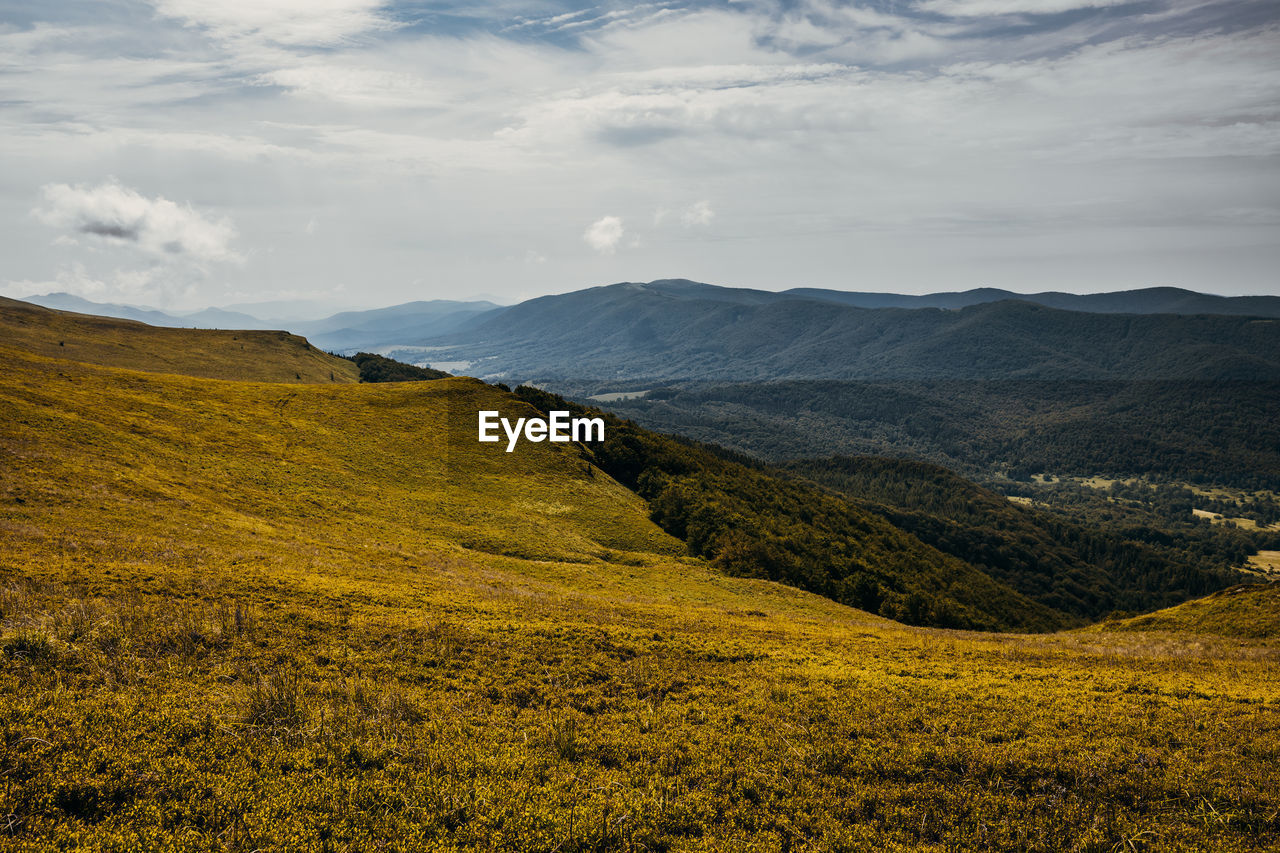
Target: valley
659,427
291,615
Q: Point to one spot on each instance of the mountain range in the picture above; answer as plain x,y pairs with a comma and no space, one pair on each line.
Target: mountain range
1150,300
345,331
675,329
379,327
681,330
208,318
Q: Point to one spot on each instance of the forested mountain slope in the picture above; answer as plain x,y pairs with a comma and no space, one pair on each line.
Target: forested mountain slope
958,537
1072,567
1149,300
682,330
1199,432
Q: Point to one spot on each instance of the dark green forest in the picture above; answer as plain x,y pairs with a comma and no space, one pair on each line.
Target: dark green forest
917,544
377,368
1223,433
1079,562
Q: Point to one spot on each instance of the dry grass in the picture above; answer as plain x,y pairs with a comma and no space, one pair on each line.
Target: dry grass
238,616
1251,611
1243,523
253,356
1266,563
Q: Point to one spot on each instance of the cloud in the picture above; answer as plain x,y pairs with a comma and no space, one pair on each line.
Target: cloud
699,213
283,22
106,229
122,216
841,136
330,80
149,285
72,278
604,234
984,8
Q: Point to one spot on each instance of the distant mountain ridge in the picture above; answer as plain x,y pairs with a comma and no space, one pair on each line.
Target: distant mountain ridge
380,327
150,316
681,330
676,329
347,330
1150,300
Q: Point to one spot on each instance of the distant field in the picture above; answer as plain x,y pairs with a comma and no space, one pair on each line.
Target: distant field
618,395
1266,562
1245,523
1215,492
243,616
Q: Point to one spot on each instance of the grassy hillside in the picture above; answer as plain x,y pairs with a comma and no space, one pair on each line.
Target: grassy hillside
1251,611
385,457
245,616
253,356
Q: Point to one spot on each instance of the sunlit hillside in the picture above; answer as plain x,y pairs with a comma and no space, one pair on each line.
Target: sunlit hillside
1251,612
245,355
253,616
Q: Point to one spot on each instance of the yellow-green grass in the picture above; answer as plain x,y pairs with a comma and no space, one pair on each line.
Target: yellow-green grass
252,356
1250,611
1242,523
1266,563
243,616
1240,496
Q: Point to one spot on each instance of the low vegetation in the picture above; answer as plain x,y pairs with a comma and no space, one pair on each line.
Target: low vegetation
248,356
259,617
1251,611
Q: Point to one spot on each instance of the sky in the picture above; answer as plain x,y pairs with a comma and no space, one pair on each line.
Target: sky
184,153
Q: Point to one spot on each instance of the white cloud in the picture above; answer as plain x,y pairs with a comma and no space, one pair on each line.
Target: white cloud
816,122
118,215
698,213
604,234
284,22
153,285
984,8
339,81
72,278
